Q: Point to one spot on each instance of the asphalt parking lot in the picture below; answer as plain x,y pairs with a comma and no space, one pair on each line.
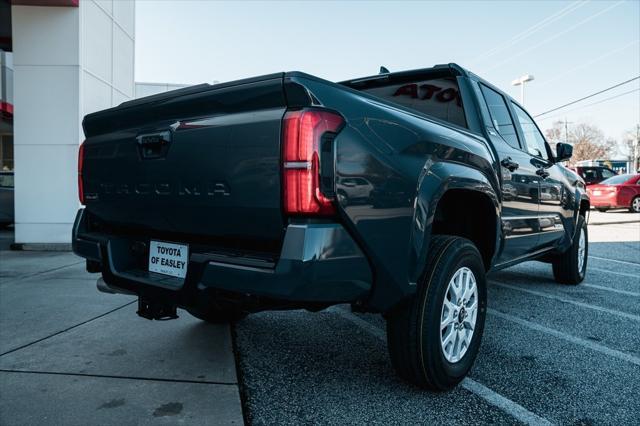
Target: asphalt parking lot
551,354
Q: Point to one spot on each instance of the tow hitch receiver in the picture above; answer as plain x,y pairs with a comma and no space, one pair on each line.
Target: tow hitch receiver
153,310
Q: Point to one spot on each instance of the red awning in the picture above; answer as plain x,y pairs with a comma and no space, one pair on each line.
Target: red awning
6,109
63,3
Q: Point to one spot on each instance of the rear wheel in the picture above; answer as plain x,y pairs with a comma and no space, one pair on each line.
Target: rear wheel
602,210
434,338
570,267
635,205
219,315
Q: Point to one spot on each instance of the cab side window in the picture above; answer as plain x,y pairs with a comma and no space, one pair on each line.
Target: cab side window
500,116
536,145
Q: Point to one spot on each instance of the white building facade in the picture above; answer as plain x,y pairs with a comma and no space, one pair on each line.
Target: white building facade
69,60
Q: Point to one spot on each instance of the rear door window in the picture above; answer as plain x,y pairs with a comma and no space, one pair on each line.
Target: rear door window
500,116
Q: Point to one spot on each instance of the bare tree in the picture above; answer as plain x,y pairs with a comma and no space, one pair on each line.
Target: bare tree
589,143
588,140
630,139
556,132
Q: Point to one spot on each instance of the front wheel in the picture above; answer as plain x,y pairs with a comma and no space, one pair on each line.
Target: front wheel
570,267
635,205
434,338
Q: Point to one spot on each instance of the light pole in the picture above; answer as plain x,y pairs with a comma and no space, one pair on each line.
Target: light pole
520,82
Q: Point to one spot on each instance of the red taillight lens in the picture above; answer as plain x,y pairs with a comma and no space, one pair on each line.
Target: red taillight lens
302,133
80,166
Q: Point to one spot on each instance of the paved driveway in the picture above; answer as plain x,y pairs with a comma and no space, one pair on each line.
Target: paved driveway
73,356
550,353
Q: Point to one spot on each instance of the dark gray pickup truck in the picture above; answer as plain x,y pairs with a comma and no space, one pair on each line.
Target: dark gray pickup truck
395,193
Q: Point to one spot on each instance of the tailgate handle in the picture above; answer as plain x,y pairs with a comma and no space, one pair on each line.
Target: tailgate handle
154,145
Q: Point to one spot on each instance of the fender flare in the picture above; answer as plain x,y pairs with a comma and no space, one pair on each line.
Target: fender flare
436,179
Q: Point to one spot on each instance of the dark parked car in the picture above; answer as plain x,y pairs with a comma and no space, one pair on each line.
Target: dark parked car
621,191
6,198
593,174
179,214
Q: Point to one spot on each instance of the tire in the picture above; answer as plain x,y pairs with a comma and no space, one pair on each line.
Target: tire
601,210
567,268
635,205
414,336
219,315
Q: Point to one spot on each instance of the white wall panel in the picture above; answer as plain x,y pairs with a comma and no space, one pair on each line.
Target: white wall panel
96,94
68,62
117,98
107,5
45,173
45,35
97,40
43,233
124,14
123,52
46,104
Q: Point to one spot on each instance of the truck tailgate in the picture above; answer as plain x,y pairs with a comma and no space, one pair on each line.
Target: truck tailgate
198,164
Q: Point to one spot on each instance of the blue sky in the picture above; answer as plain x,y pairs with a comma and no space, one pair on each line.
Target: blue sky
573,48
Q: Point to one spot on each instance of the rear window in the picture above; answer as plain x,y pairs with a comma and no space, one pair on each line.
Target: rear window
438,97
617,180
500,116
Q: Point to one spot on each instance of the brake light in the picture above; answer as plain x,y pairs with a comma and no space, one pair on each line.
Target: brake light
80,166
302,135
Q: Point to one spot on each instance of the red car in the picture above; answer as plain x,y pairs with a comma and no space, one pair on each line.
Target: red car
621,191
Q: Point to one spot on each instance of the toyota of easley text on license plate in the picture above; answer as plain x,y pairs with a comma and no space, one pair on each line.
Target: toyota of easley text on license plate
168,258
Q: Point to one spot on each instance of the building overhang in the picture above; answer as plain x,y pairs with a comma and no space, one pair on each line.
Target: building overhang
58,3
6,110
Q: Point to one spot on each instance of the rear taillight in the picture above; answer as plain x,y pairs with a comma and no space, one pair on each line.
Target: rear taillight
302,136
80,166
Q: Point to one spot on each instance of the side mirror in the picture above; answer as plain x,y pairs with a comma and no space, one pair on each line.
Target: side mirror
564,151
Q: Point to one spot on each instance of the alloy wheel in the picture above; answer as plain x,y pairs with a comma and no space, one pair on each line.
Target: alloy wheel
459,313
582,244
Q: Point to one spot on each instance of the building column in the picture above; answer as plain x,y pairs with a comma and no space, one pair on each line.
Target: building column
68,62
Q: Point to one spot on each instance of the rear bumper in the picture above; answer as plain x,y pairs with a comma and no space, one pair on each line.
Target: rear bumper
608,200
609,204
319,263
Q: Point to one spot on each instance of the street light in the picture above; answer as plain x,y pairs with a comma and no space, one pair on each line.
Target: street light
520,82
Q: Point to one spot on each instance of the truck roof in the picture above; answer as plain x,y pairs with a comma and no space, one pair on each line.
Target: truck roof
449,69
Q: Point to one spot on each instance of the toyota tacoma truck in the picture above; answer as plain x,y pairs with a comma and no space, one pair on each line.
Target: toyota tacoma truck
395,193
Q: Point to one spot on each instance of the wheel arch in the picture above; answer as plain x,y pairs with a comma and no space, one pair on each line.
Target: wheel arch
584,207
454,199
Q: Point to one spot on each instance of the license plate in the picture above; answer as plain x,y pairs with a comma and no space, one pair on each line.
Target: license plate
168,258
597,192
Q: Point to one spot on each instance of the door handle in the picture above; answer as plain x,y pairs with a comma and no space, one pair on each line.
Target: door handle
509,164
542,172
154,145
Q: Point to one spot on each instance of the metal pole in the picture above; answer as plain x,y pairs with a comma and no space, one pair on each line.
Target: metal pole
636,153
522,93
